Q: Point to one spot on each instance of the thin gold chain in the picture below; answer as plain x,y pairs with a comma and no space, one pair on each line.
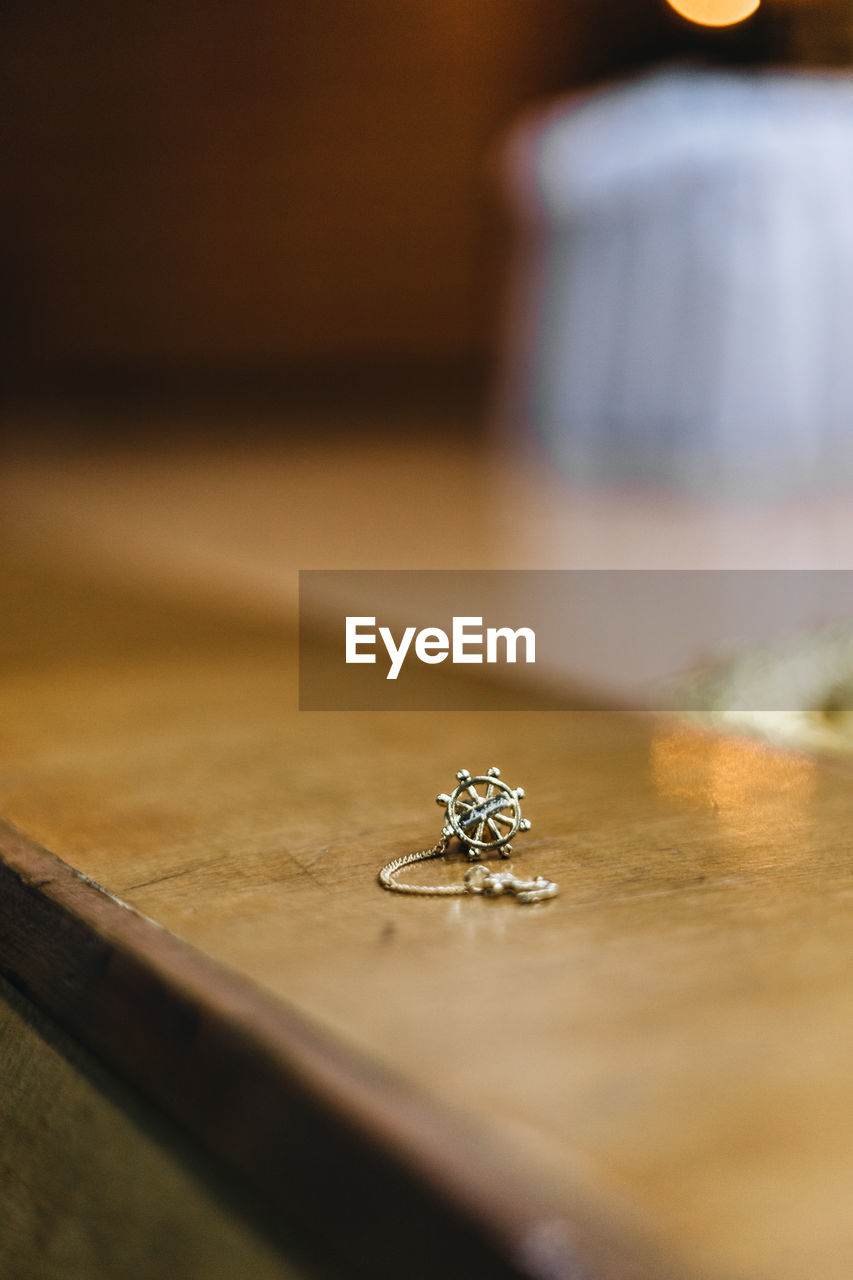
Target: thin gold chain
460,816
389,871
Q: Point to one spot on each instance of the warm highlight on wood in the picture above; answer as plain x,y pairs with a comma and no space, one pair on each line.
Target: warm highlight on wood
655,1065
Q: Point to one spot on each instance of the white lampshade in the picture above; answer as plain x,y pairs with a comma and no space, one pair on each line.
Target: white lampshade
683,313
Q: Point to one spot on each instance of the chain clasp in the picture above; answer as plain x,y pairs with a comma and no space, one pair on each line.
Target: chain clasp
493,884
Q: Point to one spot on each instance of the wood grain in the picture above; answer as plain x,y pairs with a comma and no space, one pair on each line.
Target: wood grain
308,1123
657,1062
315,1133
655,1065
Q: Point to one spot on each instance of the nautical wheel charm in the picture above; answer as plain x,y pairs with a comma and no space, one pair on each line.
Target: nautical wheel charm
487,821
484,813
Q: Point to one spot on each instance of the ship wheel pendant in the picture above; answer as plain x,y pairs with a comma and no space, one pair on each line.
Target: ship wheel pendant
483,822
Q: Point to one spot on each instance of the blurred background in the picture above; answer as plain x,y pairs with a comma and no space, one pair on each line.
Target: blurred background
217,192
420,284
279,278
214,192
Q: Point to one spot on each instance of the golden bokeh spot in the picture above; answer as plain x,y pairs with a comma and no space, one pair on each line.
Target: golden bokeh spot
754,791
715,13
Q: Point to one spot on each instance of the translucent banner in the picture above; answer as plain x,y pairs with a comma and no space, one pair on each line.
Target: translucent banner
568,640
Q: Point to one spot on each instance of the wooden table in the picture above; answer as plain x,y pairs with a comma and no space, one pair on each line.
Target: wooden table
226,1047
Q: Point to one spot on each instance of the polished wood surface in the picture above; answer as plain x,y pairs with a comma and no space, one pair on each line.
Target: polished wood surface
336,1154
661,1055
307,1119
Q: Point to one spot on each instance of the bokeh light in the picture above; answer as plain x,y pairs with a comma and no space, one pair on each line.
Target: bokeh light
715,13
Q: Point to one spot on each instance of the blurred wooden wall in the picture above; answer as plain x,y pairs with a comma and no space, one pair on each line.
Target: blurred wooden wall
190,183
